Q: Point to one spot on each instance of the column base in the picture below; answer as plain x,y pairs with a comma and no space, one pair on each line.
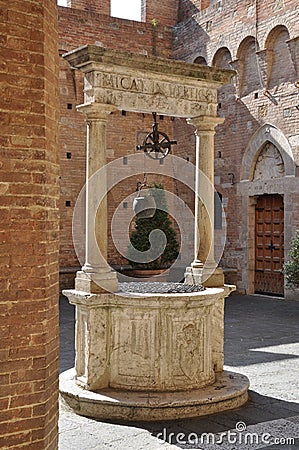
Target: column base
96,283
208,276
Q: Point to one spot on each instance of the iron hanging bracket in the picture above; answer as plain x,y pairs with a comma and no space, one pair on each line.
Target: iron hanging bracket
156,144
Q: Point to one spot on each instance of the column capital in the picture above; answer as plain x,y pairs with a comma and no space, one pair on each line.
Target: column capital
205,123
96,111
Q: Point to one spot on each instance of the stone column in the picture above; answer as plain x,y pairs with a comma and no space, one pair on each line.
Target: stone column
96,275
204,270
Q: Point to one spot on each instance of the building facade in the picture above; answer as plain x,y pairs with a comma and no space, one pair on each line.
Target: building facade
256,148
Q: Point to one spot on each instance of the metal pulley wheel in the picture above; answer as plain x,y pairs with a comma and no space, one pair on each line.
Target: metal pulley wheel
157,144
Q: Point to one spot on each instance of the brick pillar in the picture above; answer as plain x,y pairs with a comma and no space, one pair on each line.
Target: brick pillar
29,191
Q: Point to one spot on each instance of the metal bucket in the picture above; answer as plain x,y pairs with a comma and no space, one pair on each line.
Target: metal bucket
144,206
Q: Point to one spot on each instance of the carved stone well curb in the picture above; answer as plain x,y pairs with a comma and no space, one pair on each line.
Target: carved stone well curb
150,356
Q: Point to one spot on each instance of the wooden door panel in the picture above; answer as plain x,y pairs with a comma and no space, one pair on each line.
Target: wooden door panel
269,239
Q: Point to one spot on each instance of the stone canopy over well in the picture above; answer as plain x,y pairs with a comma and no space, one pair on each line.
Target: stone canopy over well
144,84
112,328
138,83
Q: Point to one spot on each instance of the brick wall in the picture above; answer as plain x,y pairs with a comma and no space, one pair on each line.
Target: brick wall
78,28
229,29
187,8
29,225
99,6
165,12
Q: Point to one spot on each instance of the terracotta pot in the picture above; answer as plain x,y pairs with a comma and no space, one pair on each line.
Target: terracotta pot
148,274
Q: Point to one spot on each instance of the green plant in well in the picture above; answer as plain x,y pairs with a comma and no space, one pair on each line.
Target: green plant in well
139,238
291,267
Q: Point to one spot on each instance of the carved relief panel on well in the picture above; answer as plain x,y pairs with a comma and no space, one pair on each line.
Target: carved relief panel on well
190,349
132,350
156,350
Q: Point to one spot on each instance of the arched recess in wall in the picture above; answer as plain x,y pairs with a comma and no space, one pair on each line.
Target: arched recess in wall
267,134
200,60
248,69
280,66
222,60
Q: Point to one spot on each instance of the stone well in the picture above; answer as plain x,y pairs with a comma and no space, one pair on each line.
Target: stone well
150,356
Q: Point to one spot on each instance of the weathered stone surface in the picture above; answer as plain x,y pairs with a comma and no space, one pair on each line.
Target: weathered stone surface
150,356
228,392
144,83
148,342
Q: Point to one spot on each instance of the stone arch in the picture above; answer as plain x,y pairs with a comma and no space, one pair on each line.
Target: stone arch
248,69
267,133
244,45
201,60
269,163
273,34
278,22
259,177
278,51
222,58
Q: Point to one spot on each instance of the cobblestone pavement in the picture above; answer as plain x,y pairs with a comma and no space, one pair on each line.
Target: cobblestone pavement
262,342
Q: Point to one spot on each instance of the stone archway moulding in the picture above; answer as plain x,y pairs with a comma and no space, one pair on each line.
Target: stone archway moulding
271,134
249,188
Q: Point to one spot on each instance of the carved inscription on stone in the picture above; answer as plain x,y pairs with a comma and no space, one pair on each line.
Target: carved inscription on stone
154,87
148,103
269,163
145,95
260,187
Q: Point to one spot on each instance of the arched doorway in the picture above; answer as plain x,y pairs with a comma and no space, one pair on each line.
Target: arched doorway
267,183
269,245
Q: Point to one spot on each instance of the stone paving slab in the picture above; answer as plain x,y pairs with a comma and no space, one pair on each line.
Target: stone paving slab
261,341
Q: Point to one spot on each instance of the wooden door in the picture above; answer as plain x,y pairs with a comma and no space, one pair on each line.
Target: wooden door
269,245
